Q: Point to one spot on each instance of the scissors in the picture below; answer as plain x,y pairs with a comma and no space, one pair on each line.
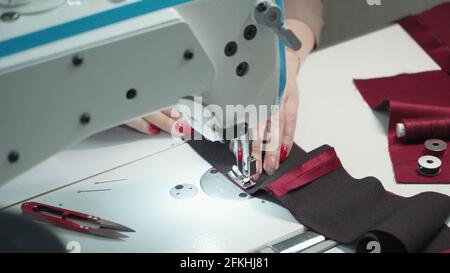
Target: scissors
61,217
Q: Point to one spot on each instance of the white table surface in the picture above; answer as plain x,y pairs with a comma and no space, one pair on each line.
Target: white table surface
331,112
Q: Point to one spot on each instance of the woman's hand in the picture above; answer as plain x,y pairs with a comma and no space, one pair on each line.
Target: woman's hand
284,123
167,120
281,127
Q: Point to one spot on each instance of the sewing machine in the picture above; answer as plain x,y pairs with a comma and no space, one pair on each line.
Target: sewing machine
78,68
122,175
70,69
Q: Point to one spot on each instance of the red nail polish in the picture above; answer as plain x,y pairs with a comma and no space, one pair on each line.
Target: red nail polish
240,155
180,127
154,129
283,153
188,130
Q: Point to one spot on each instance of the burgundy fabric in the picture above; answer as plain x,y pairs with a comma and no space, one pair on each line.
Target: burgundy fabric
431,30
418,95
306,173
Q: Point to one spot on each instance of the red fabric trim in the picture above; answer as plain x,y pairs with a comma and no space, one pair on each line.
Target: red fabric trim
307,172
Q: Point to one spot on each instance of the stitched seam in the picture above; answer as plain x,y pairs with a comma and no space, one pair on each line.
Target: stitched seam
287,185
282,186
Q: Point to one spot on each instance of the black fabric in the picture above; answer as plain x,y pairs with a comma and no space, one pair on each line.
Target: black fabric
439,242
346,209
19,235
218,155
349,210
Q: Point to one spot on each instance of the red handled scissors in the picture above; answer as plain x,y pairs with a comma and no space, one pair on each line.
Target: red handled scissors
61,216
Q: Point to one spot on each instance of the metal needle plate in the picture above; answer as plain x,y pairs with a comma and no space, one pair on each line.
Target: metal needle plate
216,185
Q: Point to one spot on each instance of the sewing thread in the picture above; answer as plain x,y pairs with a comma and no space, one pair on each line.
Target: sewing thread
424,128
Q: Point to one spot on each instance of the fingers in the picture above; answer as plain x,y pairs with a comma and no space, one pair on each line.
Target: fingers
143,126
272,156
181,125
290,123
171,112
176,128
167,120
164,122
258,135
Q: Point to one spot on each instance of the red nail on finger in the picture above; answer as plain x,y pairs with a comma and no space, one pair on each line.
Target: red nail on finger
188,130
180,127
154,129
183,128
283,153
240,154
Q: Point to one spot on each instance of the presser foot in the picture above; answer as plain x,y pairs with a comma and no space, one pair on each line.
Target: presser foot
241,180
217,185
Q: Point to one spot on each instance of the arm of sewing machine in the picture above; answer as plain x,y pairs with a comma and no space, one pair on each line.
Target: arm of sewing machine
62,81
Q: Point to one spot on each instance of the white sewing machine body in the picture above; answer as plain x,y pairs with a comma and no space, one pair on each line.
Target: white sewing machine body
68,73
139,195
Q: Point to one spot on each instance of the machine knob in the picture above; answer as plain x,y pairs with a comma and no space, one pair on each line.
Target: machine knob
269,14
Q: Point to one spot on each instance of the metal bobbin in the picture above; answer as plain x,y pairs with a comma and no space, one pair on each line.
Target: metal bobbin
429,165
435,147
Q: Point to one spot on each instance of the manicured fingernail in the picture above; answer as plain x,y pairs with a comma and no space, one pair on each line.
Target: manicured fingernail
271,164
255,177
184,128
180,127
240,154
283,153
154,129
188,129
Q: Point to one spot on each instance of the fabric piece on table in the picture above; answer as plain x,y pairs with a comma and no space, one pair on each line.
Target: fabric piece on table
349,210
306,173
419,95
218,155
431,30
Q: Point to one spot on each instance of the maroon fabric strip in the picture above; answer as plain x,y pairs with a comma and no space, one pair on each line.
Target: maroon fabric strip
431,30
424,88
307,172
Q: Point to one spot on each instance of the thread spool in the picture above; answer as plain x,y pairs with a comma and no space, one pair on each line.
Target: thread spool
435,147
423,128
429,166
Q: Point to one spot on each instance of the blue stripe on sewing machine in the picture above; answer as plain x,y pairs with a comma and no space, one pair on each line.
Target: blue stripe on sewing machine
84,24
282,48
75,27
